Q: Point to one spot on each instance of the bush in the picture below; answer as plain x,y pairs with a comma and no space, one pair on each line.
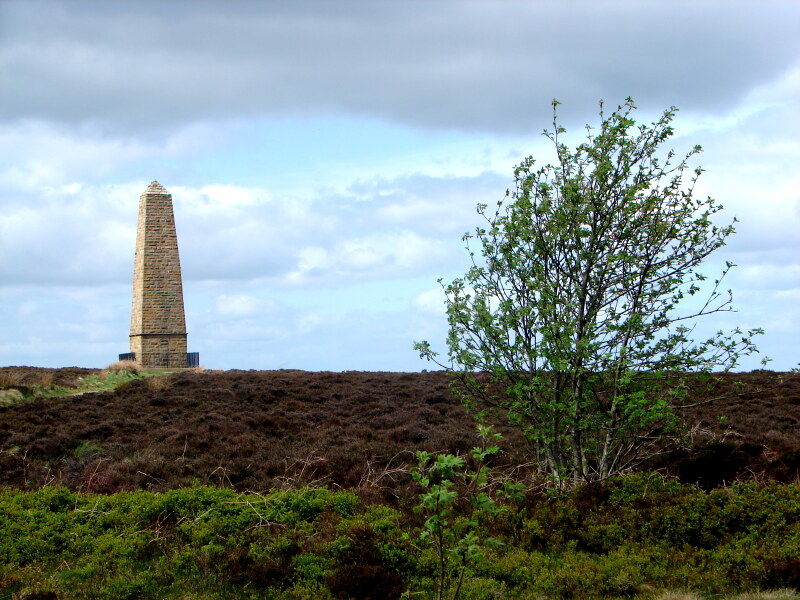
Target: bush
634,535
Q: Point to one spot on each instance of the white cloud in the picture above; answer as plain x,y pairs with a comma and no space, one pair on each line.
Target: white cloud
221,198
389,255
240,306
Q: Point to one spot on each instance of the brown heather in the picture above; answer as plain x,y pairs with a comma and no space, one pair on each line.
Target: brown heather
255,430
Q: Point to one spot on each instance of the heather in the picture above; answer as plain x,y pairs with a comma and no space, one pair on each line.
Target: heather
255,430
290,484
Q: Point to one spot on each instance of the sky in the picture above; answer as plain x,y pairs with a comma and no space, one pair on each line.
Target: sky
325,159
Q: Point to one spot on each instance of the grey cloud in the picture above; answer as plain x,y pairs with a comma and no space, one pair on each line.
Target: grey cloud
145,66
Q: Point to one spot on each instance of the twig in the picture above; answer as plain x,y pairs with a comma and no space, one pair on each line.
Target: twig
185,444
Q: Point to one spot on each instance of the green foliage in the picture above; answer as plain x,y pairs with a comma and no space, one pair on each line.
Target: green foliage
200,539
581,297
455,535
630,536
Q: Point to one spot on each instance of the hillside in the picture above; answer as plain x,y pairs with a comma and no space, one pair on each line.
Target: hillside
255,430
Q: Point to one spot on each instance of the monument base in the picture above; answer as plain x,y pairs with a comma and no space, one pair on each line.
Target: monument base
192,361
159,350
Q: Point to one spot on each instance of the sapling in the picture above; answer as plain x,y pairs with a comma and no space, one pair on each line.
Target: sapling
454,499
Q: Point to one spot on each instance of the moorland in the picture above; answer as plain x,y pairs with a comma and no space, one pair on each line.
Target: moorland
293,484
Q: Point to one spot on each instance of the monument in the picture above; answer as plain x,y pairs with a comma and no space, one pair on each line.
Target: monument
158,324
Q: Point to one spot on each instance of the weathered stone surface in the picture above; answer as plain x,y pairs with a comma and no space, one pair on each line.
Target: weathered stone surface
158,325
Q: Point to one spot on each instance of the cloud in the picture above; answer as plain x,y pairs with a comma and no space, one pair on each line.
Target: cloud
389,254
242,306
67,238
325,158
149,67
376,229
57,326
38,156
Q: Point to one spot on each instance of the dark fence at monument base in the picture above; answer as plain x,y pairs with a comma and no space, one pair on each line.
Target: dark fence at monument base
192,359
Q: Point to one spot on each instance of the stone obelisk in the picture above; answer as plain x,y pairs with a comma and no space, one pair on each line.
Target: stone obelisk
158,324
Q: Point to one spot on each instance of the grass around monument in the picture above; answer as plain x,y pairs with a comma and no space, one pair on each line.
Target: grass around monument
15,388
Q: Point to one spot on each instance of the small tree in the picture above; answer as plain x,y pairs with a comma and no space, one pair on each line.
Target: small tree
454,531
574,325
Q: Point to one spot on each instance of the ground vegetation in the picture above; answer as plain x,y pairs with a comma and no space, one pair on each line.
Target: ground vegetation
290,484
257,430
634,536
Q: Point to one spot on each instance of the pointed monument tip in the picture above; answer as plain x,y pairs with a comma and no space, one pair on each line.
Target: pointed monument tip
156,188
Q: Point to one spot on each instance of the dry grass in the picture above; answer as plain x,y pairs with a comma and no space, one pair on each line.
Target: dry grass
785,594
8,379
123,366
159,382
10,397
25,377
678,595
